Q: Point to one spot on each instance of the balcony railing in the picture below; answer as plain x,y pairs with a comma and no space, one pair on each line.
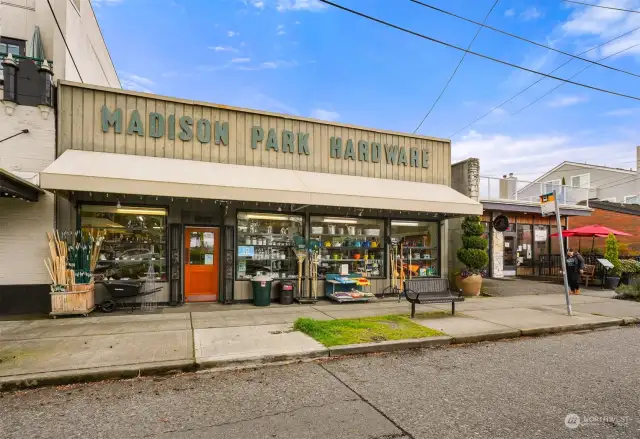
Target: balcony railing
38,61
518,191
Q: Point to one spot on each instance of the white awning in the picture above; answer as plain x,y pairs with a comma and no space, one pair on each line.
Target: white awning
131,174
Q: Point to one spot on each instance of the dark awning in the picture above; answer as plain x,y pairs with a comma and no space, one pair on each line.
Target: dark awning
12,186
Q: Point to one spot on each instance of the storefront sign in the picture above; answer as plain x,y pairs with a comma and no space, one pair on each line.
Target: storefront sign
185,128
501,223
540,235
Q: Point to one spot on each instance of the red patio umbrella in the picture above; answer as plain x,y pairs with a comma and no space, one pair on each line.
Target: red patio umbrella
594,231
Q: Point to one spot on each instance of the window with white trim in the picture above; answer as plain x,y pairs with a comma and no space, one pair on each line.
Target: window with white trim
551,185
581,181
632,199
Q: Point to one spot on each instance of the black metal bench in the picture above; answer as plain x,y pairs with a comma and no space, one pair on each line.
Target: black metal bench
430,290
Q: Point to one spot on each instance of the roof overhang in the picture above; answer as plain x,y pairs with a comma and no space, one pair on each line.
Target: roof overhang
12,186
130,174
534,208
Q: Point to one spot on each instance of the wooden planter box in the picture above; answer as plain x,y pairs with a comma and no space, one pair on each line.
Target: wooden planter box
81,300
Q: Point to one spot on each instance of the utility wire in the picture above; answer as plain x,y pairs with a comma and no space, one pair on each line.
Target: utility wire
601,6
65,40
523,39
539,80
457,67
480,55
571,77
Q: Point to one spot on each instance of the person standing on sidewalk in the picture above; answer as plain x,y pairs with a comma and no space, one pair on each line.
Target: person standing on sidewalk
575,267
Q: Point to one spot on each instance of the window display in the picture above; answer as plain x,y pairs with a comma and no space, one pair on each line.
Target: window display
266,246
419,248
135,239
349,245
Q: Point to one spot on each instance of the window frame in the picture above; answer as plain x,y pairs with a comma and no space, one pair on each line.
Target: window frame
22,44
636,196
166,258
580,186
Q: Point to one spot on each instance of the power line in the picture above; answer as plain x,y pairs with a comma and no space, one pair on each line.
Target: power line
480,55
464,55
539,80
602,6
571,77
522,38
65,40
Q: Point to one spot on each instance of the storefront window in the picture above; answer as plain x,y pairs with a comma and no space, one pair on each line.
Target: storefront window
419,247
135,240
266,245
541,240
349,245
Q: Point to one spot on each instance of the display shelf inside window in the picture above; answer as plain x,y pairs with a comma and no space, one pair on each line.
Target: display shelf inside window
419,248
265,245
135,239
349,245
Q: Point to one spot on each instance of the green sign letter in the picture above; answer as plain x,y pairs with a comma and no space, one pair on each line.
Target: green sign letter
111,119
257,134
425,158
336,147
272,142
363,151
392,154
171,127
349,151
375,152
135,124
186,122
287,141
203,131
156,125
414,157
222,133
303,143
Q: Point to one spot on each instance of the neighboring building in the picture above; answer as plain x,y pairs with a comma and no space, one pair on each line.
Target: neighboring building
211,195
603,183
619,216
526,247
28,130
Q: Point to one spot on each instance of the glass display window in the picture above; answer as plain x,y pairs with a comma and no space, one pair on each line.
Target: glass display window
135,240
266,245
420,248
349,245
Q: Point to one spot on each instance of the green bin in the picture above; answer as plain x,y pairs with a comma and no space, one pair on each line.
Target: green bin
261,286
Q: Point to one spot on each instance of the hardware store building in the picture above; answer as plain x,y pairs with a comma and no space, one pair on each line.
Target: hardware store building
209,196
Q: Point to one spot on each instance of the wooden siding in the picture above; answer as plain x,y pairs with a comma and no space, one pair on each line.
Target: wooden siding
80,127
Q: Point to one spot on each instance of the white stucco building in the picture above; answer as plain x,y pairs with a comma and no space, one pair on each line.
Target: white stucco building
72,43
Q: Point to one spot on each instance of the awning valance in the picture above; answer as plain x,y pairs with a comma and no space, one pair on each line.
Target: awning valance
12,186
131,174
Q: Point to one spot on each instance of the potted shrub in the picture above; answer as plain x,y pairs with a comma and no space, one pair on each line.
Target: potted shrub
612,255
473,255
630,269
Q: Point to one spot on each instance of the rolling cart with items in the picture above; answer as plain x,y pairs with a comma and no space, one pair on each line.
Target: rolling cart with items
347,288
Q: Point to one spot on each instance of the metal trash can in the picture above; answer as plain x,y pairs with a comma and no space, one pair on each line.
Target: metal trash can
287,289
261,286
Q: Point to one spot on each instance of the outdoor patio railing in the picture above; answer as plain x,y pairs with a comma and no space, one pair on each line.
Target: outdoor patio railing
511,189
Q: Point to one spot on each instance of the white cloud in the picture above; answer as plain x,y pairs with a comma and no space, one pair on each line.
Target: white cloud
510,12
531,13
299,5
99,3
223,49
135,82
620,112
280,26
567,101
281,32
232,34
297,22
258,4
241,64
240,60
269,65
319,113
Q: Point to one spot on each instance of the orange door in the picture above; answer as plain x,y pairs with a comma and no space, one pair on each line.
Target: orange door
201,262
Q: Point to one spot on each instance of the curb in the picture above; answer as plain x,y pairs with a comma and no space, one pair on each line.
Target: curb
389,346
94,374
261,360
573,328
487,336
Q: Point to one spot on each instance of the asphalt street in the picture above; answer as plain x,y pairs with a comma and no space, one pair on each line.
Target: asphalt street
524,388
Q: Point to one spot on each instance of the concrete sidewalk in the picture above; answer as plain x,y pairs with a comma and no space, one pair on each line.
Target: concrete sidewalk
49,351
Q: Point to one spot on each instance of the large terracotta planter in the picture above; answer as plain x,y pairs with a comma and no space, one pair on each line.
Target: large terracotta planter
470,285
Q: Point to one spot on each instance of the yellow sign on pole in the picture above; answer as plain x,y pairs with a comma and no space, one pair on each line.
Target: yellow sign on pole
548,204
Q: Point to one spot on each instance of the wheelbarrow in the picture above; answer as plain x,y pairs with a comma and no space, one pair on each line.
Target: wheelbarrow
123,289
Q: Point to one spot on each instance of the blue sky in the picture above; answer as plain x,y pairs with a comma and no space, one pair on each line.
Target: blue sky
300,57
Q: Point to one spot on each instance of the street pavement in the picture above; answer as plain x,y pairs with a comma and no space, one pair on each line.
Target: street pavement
521,388
33,352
